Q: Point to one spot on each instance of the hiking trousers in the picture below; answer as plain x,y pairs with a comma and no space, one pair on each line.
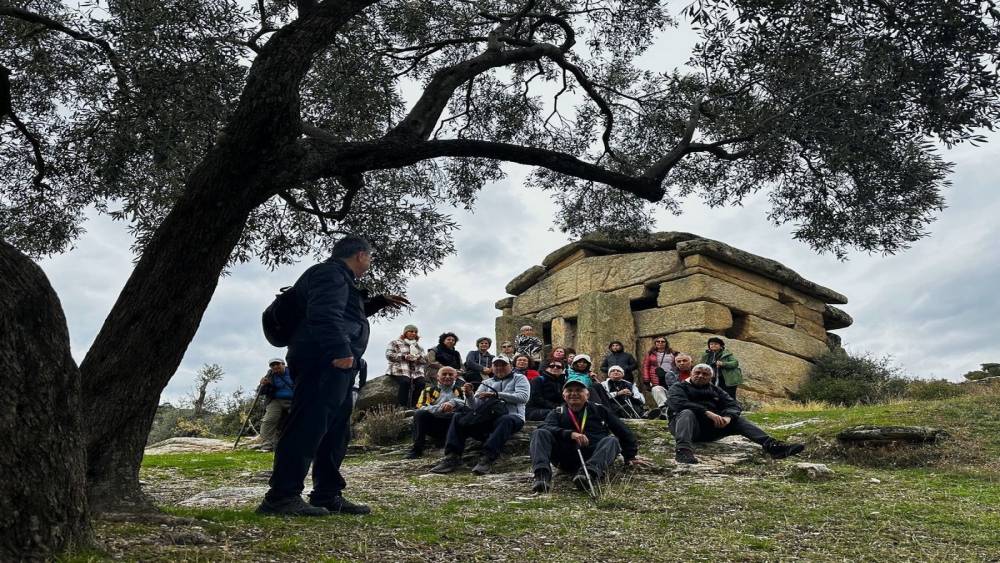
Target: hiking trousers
426,423
688,427
493,435
547,448
317,432
275,410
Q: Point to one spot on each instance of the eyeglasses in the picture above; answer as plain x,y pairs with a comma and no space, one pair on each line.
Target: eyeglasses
556,366
658,341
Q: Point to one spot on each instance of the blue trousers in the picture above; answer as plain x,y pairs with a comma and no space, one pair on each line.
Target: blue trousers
317,432
493,434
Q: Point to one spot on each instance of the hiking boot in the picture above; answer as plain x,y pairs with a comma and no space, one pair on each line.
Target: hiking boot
290,506
450,463
414,453
543,481
485,464
340,505
685,456
653,413
780,450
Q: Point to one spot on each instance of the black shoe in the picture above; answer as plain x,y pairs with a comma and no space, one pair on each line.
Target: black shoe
414,453
780,450
340,505
685,456
485,465
543,481
450,463
291,506
653,413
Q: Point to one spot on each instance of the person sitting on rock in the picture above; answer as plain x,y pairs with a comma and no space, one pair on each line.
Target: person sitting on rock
617,356
580,369
546,391
626,400
437,405
683,363
513,390
478,362
507,349
528,344
278,387
725,366
445,353
406,365
579,425
702,412
558,354
522,365
659,364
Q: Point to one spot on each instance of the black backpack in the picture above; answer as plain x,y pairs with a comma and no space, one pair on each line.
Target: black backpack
282,317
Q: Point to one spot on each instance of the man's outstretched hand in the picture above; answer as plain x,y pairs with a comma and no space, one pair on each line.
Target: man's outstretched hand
398,301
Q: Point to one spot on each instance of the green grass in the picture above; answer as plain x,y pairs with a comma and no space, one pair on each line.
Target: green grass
944,509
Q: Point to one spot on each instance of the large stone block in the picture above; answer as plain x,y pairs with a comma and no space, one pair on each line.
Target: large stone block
780,338
505,303
600,243
563,332
700,287
571,309
508,327
596,273
603,318
764,266
735,274
834,318
812,329
767,372
686,317
524,280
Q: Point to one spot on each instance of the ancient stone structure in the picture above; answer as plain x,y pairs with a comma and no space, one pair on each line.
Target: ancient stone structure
596,290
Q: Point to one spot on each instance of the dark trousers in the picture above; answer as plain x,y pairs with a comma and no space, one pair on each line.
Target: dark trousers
493,435
730,390
426,424
688,427
548,448
409,390
317,432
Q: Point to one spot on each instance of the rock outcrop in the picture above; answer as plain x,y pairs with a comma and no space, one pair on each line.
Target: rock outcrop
688,288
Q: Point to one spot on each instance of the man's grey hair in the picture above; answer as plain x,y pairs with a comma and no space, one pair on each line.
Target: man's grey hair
349,246
688,356
447,369
702,366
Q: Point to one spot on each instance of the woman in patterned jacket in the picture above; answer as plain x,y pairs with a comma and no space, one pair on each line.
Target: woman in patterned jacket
406,365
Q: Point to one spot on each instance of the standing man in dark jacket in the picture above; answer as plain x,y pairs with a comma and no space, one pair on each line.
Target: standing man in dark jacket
579,425
617,356
702,412
324,354
546,391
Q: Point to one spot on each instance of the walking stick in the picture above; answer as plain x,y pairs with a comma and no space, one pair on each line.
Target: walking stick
622,405
583,464
246,422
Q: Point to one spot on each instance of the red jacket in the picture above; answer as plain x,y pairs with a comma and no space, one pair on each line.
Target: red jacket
649,369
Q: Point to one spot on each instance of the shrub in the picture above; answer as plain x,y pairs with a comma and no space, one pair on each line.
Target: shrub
383,425
986,370
192,428
842,379
931,390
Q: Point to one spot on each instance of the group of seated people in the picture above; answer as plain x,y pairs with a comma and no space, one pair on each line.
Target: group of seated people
488,398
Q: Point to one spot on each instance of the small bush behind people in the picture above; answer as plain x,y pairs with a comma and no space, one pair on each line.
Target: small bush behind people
932,390
840,378
382,426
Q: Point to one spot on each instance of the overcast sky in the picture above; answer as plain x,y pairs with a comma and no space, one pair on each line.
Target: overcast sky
933,307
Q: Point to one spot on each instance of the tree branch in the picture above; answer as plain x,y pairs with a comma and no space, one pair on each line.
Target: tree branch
49,23
7,109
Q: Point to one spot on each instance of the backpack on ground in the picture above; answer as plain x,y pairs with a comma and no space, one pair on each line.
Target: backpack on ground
282,317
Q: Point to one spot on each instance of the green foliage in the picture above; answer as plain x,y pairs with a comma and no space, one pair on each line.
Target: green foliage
988,370
930,390
839,378
226,420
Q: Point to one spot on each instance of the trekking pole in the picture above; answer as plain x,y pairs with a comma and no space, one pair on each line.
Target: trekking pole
246,422
583,464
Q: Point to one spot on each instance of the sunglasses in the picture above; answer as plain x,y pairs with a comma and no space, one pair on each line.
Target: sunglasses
556,366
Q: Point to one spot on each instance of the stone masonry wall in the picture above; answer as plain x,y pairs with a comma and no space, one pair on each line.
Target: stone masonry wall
595,290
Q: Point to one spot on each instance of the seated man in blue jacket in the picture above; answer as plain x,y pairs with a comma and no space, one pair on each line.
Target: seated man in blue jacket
579,425
701,412
277,386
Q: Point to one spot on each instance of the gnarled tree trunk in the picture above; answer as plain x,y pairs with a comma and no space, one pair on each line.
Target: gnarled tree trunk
43,507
